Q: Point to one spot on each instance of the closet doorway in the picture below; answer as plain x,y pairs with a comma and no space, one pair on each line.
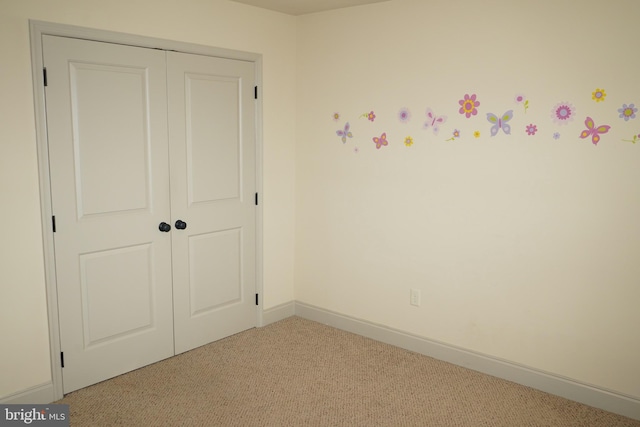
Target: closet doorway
153,177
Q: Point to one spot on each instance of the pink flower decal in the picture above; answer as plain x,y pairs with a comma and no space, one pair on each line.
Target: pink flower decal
521,99
531,129
563,112
468,105
370,116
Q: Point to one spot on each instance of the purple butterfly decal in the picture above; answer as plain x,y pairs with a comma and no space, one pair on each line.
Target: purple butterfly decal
346,133
434,121
500,122
593,131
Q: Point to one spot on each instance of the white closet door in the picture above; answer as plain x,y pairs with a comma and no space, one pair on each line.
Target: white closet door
213,164
106,117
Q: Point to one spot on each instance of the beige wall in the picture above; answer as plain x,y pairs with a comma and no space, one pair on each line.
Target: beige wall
524,248
23,320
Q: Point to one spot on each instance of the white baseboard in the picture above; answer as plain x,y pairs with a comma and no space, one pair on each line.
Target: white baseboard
278,312
540,380
41,394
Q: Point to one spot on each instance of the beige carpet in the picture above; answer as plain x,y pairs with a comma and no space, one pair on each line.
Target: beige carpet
301,373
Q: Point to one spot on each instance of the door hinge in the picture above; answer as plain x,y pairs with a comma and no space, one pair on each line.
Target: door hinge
256,199
257,299
255,92
44,75
53,223
62,358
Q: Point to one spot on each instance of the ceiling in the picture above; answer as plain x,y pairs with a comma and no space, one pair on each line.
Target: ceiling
302,7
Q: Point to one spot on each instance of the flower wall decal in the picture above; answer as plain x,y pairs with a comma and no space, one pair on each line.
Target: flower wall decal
455,135
562,113
404,115
598,95
521,99
628,112
531,129
371,116
468,105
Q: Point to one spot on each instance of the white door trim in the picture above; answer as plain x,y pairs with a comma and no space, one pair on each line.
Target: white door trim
39,29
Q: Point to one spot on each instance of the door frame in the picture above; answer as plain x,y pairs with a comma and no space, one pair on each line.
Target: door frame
38,29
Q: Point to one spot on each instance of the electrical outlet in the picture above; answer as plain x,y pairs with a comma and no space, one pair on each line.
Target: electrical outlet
414,297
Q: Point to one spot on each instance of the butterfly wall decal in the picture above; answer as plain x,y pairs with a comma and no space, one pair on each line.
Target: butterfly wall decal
381,141
500,122
434,121
346,133
593,131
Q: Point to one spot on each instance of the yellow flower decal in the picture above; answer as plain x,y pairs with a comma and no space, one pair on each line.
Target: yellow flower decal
408,141
477,134
598,95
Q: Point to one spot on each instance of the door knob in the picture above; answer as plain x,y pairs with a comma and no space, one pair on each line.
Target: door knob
164,227
181,225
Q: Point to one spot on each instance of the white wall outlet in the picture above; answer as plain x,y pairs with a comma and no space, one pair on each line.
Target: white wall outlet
414,297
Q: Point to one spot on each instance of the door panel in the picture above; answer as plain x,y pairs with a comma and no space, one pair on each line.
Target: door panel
107,136
213,163
104,280
215,258
214,168
110,135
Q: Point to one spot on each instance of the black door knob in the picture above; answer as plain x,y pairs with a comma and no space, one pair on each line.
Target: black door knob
181,225
164,227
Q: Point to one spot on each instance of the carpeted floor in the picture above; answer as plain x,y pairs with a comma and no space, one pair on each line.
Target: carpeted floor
301,373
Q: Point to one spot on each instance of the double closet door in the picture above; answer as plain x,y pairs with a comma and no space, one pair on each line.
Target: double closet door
152,163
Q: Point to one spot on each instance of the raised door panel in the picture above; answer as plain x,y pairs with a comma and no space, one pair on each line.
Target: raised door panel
212,115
